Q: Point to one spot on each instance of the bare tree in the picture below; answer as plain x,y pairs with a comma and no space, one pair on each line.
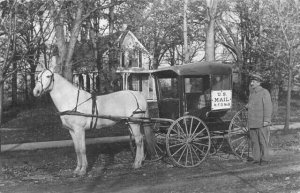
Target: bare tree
185,37
210,33
8,22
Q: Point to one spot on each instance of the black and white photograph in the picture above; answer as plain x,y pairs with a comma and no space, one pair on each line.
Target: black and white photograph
149,96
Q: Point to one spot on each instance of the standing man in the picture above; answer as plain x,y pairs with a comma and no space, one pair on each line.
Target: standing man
259,119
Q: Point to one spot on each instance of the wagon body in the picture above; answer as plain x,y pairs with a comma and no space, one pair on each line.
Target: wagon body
202,89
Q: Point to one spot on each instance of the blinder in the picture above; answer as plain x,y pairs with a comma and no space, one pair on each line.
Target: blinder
44,90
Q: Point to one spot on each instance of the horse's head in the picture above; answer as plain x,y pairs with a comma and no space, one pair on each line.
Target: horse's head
44,83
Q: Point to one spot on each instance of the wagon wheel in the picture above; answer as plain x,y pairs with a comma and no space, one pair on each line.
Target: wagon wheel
238,135
188,141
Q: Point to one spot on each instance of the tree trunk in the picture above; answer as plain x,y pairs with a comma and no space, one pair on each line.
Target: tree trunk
210,33
210,42
60,43
156,59
1,99
185,37
288,101
14,84
68,70
274,96
66,51
32,80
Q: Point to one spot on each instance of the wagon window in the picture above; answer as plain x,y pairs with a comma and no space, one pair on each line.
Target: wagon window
168,88
197,92
221,82
193,85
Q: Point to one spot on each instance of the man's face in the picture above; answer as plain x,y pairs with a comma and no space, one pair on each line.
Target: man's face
254,83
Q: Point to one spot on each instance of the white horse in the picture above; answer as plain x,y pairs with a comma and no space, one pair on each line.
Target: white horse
67,97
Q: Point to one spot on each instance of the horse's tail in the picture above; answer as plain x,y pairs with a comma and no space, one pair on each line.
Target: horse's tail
149,137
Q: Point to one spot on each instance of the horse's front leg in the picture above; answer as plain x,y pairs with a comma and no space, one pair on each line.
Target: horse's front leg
138,137
78,136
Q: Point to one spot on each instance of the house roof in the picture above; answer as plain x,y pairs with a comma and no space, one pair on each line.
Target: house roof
129,33
196,68
117,39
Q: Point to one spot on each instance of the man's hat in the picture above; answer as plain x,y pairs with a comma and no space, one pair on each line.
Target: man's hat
257,77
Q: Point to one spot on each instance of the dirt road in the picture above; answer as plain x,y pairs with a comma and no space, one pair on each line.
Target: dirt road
50,171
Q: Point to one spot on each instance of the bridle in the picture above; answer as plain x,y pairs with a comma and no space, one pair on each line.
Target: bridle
44,90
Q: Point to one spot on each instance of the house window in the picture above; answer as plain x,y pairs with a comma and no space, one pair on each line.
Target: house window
140,59
123,59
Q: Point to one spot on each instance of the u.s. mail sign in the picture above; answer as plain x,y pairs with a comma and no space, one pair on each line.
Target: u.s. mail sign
221,99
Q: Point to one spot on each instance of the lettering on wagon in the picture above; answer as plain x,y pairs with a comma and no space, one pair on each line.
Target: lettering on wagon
221,99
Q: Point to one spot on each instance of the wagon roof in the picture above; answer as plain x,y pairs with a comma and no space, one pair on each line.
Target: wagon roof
196,68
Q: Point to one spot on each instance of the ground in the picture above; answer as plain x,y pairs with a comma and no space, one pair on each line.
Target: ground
110,171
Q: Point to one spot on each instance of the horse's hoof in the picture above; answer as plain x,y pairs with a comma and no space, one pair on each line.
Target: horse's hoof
81,173
78,174
136,166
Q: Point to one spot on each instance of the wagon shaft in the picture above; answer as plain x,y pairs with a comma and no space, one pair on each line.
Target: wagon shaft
117,118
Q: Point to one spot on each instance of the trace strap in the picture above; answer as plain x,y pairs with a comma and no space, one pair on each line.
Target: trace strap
94,110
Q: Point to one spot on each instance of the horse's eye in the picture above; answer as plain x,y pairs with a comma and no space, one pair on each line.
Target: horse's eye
48,76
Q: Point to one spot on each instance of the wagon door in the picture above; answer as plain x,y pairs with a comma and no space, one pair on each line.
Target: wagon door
168,98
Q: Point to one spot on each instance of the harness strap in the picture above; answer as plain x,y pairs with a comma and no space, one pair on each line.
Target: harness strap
94,110
75,109
138,110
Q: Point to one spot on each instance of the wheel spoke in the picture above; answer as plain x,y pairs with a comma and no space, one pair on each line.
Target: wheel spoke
191,127
196,128
201,144
177,144
194,136
236,139
178,150
243,150
179,126
187,154
195,152
201,151
190,150
181,153
238,147
186,127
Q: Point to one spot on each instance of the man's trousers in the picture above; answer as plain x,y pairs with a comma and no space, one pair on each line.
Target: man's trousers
260,143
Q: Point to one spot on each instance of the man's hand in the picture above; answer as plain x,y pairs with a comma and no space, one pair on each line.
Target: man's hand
266,123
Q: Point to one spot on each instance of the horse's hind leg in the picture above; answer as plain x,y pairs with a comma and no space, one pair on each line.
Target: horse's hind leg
138,137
